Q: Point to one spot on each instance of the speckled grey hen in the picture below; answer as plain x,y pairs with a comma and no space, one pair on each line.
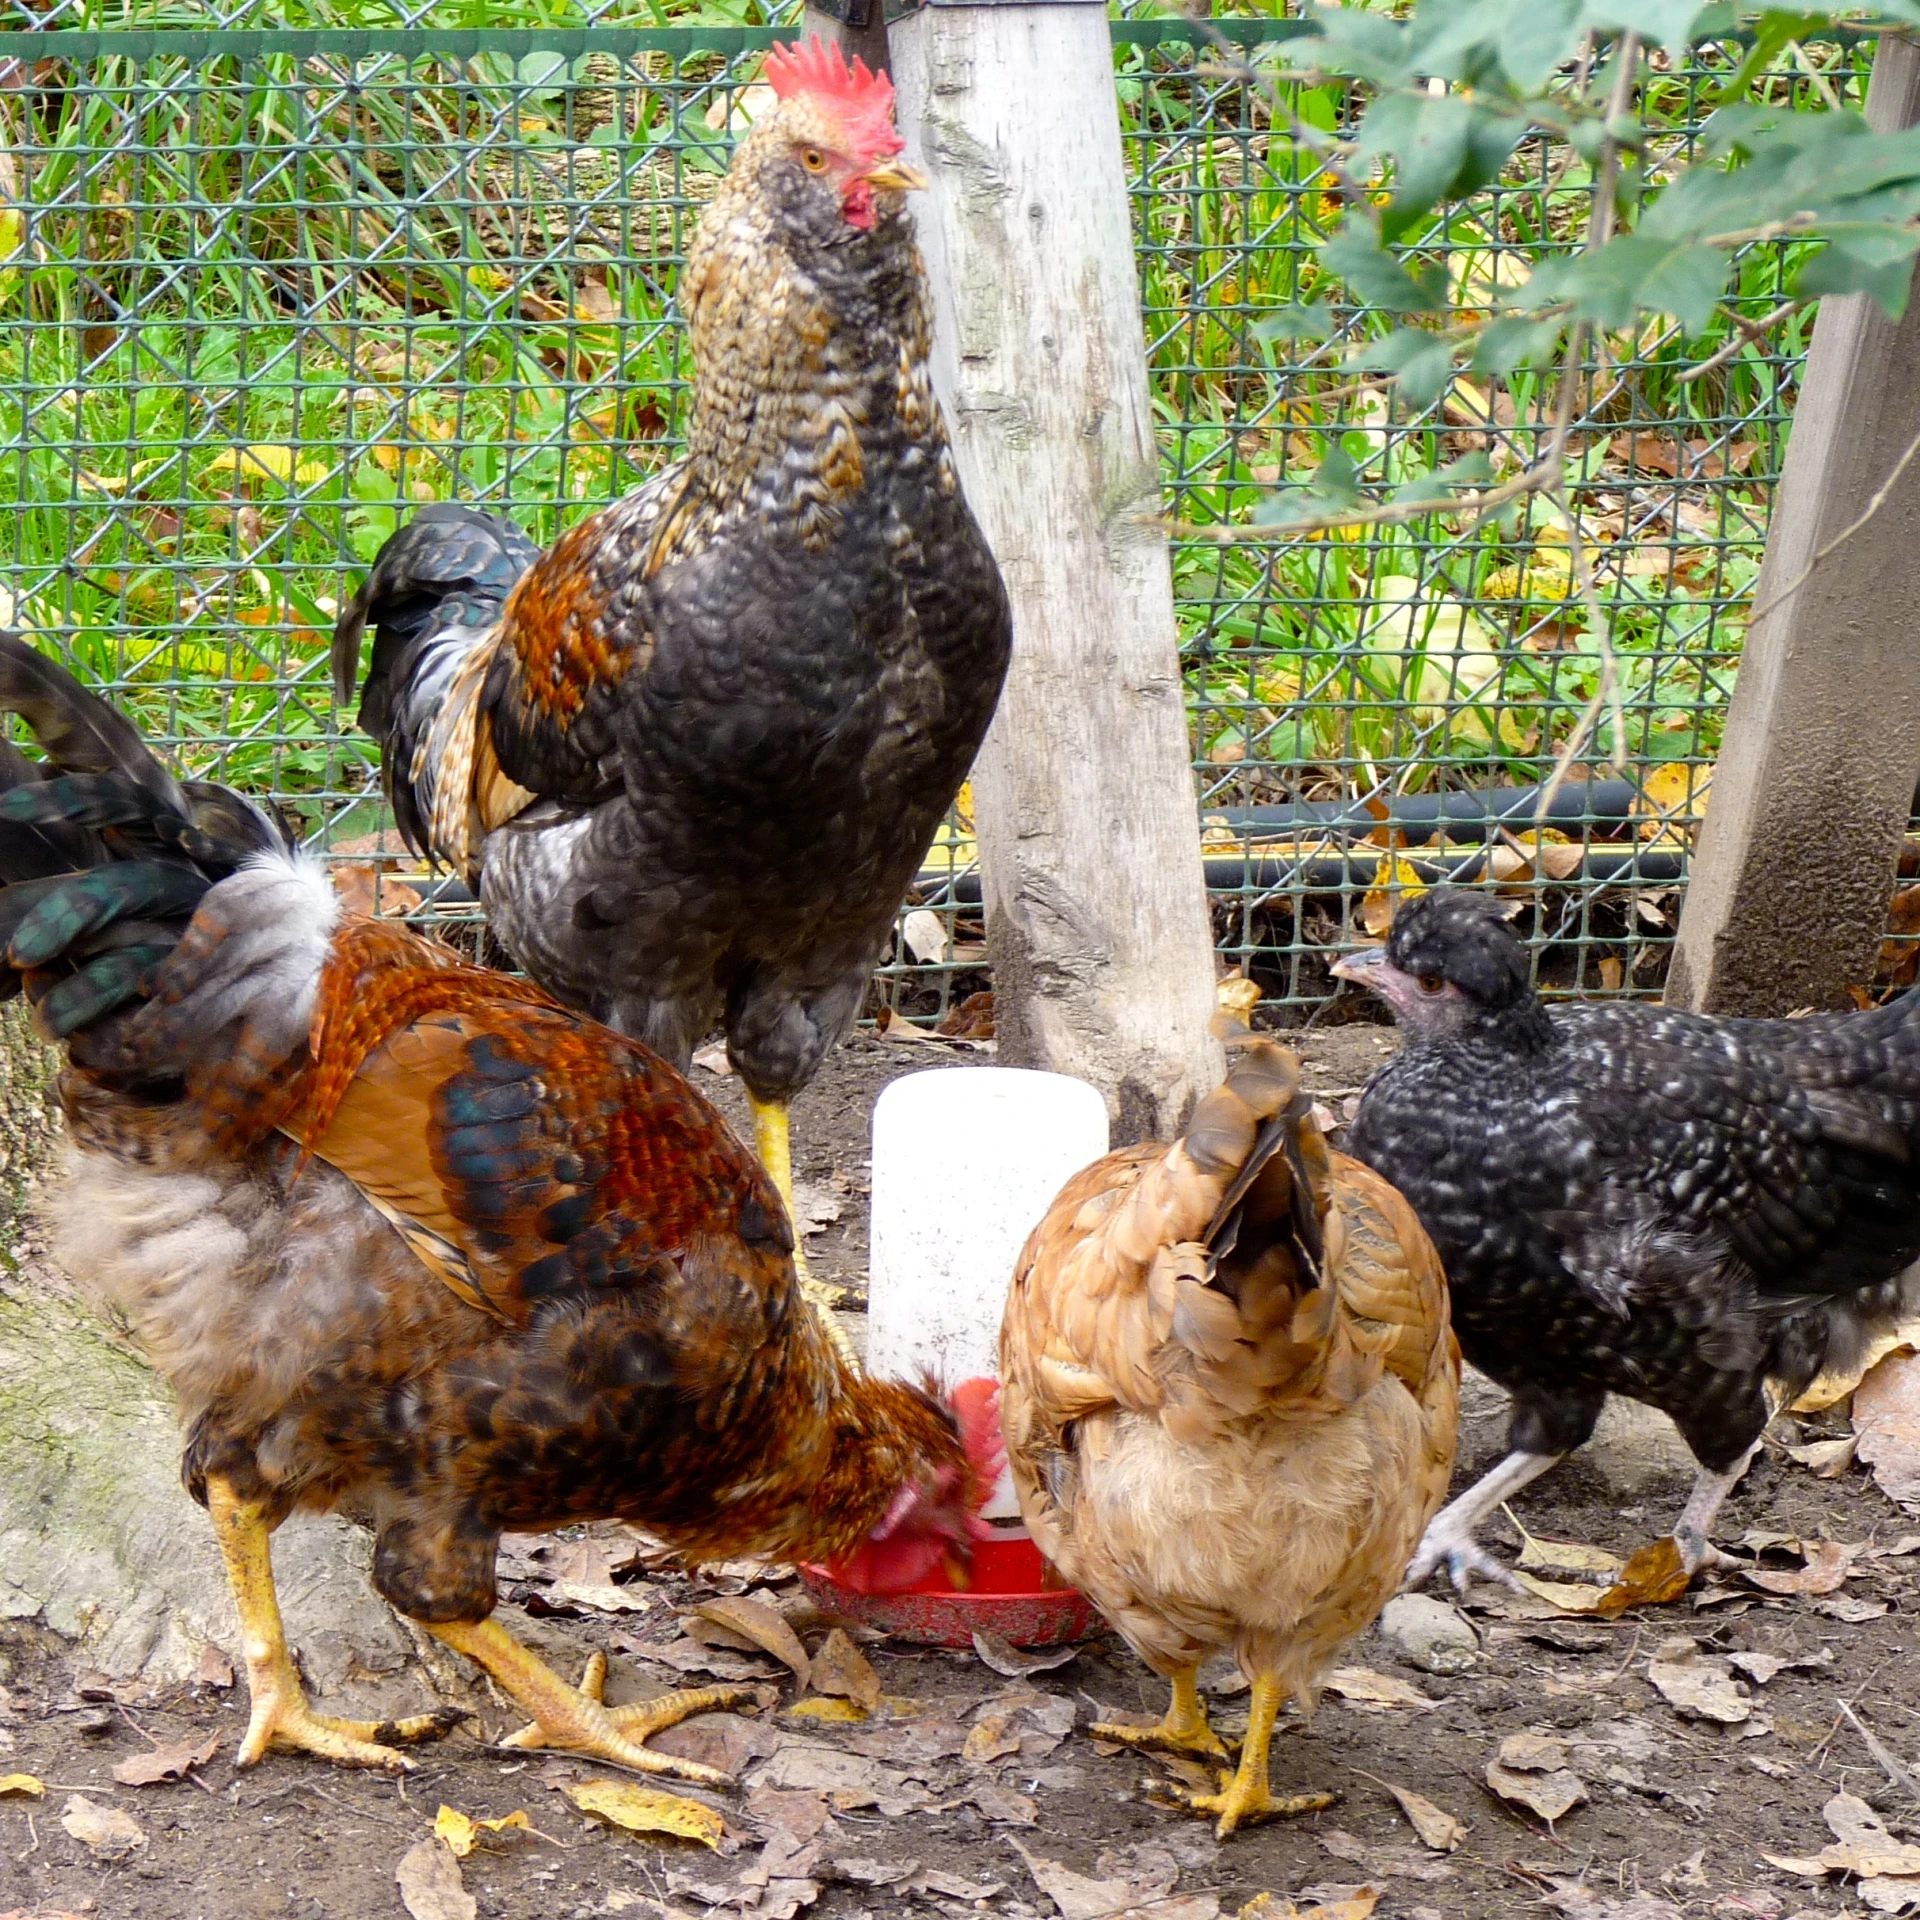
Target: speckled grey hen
694,752
1696,1212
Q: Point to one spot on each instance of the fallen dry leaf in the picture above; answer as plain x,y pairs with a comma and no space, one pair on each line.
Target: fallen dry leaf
1826,1459
1274,1906
461,1832
22,1783
1363,1687
1008,1660
1564,1596
1862,1845
431,1887
1828,1563
1079,1898
839,1667
215,1669
1831,1388
992,1738
646,1810
1762,1667
1700,1686
1531,1771
1886,1418
1003,1805
758,1623
828,1712
1655,1575
102,1830
1563,1556
166,1763
1436,1827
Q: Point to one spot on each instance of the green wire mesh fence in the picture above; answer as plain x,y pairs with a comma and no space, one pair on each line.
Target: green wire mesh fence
264,291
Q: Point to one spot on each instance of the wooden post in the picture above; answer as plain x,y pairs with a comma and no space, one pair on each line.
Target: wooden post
1097,916
860,27
1788,897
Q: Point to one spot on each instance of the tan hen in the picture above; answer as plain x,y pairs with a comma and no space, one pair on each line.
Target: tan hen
1229,1391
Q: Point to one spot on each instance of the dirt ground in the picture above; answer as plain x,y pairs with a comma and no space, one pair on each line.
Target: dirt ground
958,1793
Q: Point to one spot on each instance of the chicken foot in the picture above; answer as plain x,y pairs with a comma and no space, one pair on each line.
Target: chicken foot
1704,1502
1183,1730
574,1719
772,1141
1449,1535
1246,1794
282,1717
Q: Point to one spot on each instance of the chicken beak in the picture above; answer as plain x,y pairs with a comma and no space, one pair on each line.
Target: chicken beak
897,177
1360,967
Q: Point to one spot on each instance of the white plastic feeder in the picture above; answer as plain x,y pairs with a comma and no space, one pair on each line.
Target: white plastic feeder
965,1163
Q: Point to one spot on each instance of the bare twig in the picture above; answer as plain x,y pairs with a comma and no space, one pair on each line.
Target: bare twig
1750,333
1890,1762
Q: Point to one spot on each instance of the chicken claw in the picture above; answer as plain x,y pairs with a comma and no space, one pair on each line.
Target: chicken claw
1245,1795
1183,1730
282,1718
574,1719
1464,1559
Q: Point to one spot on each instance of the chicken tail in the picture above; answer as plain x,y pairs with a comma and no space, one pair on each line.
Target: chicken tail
164,929
434,600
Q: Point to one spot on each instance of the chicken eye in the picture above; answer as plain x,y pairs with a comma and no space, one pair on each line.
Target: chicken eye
814,160
1431,983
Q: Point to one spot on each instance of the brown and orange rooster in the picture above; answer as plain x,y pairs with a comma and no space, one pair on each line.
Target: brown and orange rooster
1229,1392
693,754
410,1239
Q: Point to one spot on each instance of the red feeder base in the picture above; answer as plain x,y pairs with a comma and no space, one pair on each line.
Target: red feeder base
1014,1594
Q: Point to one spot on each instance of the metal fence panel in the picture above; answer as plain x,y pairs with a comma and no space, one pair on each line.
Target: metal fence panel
261,292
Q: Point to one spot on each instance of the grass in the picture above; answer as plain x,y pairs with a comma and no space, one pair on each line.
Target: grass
273,306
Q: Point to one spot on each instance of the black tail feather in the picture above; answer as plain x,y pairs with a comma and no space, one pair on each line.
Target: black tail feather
80,732
103,854
437,588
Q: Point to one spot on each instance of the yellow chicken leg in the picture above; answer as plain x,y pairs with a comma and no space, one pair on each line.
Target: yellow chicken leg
1245,1795
772,1142
573,1718
1184,1730
282,1716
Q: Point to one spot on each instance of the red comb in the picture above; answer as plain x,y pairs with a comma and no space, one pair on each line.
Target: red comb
862,101
976,1405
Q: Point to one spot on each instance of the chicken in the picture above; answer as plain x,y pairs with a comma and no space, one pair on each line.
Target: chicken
1229,1395
1696,1212
694,753
411,1240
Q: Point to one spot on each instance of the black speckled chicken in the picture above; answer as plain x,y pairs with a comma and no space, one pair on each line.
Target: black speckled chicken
1699,1213
694,752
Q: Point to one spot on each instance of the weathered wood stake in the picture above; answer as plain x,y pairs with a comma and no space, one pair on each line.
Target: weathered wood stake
1096,900
1788,896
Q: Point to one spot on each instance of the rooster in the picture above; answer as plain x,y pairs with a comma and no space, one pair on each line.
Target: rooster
693,754
1699,1213
1229,1396
410,1239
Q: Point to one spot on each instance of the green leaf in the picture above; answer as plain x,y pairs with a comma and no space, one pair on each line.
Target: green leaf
1294,323
1425,135
1666,23
1443,483
1377,277
1537,38
1878,266
1353,41
1331,488
1636,273
1513,342
1420,362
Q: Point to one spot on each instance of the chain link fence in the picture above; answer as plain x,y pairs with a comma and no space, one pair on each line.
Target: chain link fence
265,290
